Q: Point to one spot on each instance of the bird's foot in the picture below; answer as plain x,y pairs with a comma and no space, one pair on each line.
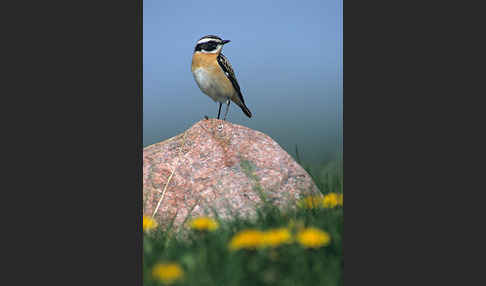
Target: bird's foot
220,127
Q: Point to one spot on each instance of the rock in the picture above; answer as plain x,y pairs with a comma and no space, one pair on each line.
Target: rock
227,171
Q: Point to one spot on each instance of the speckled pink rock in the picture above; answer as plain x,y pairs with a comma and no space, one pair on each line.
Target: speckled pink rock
223,170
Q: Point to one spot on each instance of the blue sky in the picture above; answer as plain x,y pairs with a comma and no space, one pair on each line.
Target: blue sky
287,56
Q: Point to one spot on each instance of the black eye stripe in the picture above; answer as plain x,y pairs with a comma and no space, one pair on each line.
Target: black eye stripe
207,46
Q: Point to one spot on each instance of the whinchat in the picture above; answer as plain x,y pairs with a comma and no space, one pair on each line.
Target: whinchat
214,75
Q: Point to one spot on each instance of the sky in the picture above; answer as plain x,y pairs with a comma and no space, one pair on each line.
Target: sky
287,57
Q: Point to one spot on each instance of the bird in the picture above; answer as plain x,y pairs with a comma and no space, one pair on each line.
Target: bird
215,76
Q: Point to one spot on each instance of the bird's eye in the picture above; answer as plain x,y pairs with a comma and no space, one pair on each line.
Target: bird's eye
208,46
211,46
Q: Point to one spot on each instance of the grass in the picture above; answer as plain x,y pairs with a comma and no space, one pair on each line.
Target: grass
205,259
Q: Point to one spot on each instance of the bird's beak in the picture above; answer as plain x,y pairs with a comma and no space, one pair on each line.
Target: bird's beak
226,41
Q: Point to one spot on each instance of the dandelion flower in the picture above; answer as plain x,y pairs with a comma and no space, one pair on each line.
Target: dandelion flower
148,223
313,238
332,200
204,224
276,237
247,239
167,273
311,202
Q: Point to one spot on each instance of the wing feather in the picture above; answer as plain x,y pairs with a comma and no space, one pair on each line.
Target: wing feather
228,71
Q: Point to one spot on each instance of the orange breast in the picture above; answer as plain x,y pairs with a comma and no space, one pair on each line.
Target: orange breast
221,85
203,60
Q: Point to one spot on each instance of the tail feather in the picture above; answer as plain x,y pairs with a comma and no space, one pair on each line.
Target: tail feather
245,110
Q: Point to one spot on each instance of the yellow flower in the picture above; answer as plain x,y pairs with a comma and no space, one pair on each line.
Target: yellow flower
167,273
247,239
332,200
313,238
148,223
204,223
276,237
311,202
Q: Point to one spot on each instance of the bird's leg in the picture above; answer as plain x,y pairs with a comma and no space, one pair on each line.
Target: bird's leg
227,108
220,127
219,111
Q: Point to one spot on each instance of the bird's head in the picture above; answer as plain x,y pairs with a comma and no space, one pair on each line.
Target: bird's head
210,44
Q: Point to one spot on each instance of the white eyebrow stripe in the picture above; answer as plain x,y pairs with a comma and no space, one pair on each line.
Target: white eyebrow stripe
208,40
